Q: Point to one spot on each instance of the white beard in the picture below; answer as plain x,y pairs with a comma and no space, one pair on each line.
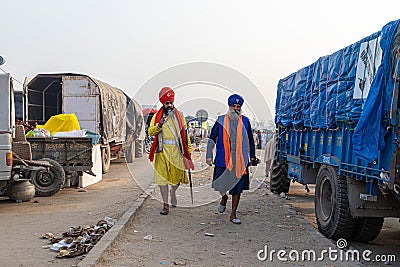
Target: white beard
233,115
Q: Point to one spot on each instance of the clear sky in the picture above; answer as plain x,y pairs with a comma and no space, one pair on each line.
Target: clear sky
125,42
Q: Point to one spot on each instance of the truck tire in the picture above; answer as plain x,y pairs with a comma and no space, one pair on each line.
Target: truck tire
21,191
279,182
367,229
139,148
48,182
332,204
105,158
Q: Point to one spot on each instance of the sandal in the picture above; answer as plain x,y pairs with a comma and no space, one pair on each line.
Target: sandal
165,210
236,221
221,208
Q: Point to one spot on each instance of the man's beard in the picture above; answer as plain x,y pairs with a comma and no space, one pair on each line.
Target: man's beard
233,115
168,110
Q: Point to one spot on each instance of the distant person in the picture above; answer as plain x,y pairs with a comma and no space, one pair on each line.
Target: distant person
255,138
235,150
258,139
269,154
192,133
263,140
171,149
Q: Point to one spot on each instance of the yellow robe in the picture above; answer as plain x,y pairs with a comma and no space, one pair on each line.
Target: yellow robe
168,164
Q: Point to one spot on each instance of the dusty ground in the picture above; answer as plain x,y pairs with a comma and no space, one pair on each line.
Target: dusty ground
22,224
182,237
267,220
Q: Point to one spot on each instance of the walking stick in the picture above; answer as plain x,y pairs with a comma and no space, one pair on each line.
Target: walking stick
191,186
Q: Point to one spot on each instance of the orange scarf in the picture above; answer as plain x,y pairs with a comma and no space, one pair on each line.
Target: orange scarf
240,166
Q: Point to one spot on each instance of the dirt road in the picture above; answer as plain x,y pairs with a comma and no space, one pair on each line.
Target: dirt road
199,236
22,224
268,220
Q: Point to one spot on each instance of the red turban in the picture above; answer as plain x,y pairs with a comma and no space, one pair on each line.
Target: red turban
166,94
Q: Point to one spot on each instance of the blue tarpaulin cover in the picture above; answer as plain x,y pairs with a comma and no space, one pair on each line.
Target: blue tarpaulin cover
351,86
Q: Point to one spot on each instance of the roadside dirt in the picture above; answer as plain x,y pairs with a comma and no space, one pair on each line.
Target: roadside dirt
22,224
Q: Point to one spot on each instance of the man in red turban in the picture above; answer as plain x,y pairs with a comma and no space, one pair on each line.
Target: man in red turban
171,148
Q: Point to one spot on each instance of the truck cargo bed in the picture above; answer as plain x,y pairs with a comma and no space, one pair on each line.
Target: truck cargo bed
73,153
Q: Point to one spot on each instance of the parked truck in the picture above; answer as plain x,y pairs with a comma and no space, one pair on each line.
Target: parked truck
16,164
101,109
338,124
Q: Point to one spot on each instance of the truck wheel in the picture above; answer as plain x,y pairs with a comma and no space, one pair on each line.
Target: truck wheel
367,229
21,191
332,205
105,158
279,182
139,148
48,182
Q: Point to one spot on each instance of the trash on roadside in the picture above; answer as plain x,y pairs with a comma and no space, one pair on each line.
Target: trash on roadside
222,253
163,263
180,262
282,195
148,237
78,240
209,234
47,236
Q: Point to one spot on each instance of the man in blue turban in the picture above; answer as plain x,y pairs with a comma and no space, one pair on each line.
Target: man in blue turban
233,137
235,99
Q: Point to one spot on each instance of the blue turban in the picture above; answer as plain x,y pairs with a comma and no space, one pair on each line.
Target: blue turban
235,99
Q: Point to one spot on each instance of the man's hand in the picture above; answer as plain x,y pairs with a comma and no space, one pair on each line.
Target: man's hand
209,161
162,121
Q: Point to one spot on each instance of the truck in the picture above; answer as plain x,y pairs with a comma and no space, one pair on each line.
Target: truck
16,164
337,126
102,109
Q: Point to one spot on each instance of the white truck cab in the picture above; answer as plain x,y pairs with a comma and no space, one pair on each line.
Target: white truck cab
6,126
14,180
